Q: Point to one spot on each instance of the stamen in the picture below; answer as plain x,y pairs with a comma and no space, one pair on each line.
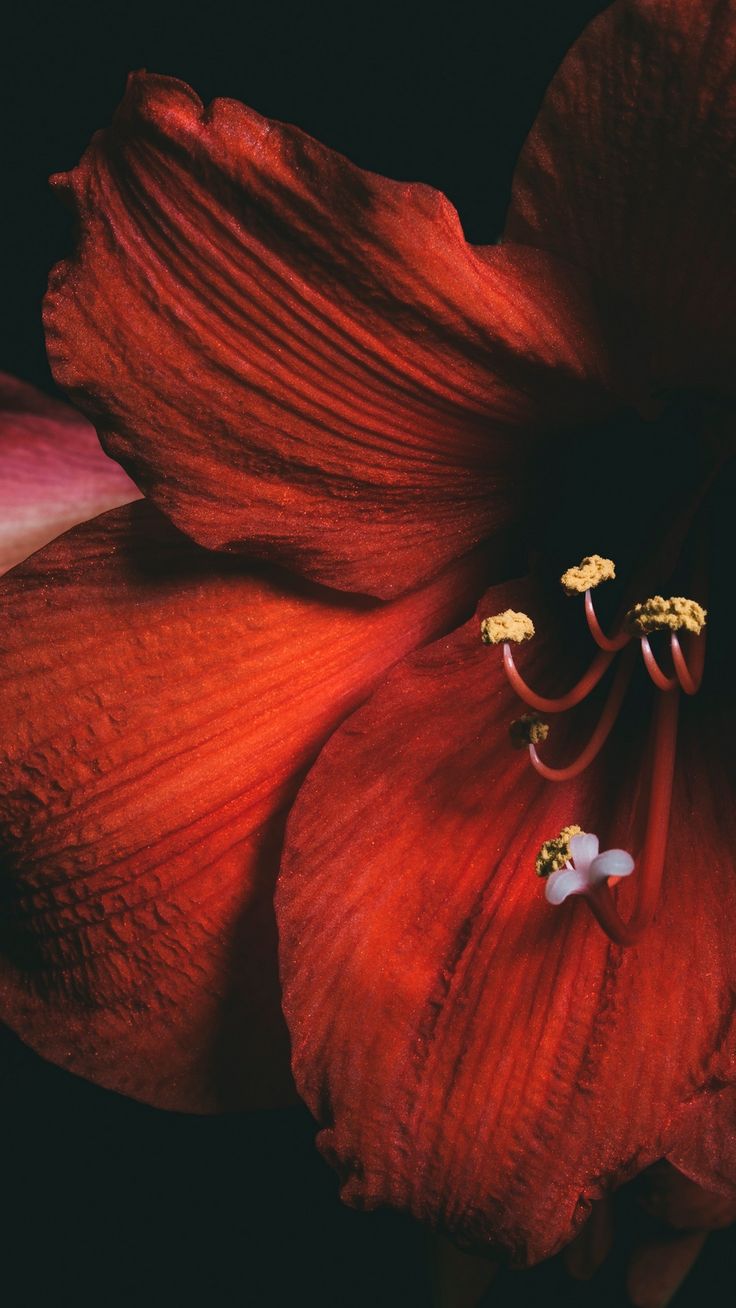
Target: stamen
605,724
612,643
655,841
505,626
660,678
555,853
590,572
576,695
660,614
529,729
689,678
571,862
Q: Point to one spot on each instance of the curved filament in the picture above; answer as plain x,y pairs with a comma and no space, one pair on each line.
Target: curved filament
689,678
611,710
610,643
649,882
576,695
661,681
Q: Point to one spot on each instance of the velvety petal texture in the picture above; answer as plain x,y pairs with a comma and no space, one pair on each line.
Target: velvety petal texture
53,472
300,359
706,1145
489,1062
630,171
158,707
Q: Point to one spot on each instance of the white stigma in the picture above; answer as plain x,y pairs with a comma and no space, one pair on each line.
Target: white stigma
586,868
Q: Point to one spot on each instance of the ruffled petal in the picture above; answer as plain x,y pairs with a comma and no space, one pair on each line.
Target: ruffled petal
300,359
630,171
159,707
53,473
487,1062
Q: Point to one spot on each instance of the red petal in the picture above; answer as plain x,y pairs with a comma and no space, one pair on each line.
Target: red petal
53,473
488,1062
159,707
629,172
301,359
706,1144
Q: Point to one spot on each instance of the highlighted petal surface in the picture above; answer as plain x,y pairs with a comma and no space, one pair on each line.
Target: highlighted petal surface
487,1062
300,359
159,706
53,473
630,171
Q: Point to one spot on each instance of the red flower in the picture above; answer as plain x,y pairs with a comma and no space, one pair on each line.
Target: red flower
309,365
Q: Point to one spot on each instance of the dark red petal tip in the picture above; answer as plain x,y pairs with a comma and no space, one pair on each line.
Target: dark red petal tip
628,172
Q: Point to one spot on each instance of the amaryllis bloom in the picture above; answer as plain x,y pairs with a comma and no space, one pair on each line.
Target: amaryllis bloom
353,429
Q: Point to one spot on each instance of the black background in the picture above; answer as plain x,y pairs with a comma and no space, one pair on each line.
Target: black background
108,1202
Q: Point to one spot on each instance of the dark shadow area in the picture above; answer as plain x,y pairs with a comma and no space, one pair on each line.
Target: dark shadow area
108,1202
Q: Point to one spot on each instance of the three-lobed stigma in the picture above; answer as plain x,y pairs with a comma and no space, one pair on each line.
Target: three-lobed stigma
583,869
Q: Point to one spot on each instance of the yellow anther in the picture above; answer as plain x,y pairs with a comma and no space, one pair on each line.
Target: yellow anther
506,626
529,729
554,853
590,572
660,614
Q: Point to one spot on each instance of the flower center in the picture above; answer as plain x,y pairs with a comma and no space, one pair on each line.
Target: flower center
571,861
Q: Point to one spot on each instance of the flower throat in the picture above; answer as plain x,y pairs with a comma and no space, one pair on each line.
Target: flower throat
570,862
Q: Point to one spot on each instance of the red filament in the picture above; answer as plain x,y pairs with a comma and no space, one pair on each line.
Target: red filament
610,643
579,692
687,676
611,710
660,679
651,867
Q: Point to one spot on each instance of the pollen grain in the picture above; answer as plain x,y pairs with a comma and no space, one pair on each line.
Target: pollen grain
555,852
590,572
529,729
508,625
660,614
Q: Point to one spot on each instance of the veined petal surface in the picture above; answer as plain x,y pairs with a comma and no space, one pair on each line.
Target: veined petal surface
476,1056
630,172
706,1144
158,707
303,360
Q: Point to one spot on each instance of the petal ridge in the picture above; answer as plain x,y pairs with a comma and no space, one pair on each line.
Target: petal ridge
160,706
300,359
